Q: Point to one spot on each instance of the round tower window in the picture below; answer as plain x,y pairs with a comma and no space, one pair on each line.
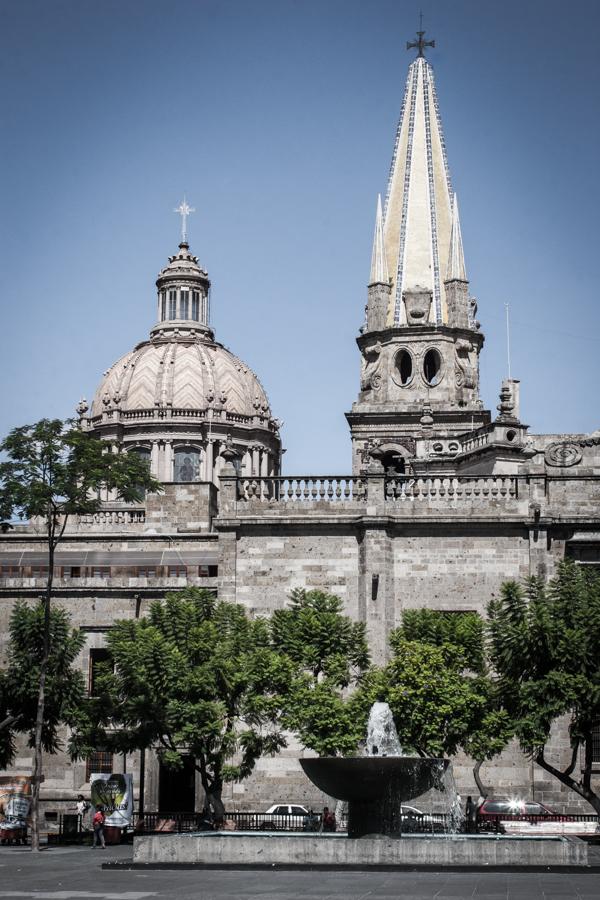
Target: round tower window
432,367
404,366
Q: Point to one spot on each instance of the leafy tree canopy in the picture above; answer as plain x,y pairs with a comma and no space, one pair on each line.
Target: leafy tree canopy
330,654
54,469
195,677
544,648
315,634
65,687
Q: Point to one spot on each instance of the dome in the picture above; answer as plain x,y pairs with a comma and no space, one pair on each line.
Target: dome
181,399
182,372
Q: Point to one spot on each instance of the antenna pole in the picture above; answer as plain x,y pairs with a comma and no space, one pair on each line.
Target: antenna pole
507,339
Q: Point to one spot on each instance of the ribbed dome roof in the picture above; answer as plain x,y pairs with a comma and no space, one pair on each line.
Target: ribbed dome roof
181,372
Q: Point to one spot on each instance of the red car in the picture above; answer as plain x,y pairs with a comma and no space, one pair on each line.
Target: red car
509,816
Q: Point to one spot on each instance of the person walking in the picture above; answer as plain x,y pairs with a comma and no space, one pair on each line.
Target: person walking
98,823
82,809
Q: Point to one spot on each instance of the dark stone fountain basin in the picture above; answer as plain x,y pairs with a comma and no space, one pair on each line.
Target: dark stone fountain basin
375,787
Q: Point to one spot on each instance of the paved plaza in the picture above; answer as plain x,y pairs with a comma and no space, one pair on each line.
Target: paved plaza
71,874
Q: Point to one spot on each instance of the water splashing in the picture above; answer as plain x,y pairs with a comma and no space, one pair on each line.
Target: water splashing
382,737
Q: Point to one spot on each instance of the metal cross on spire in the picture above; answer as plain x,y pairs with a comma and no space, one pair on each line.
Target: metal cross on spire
184,210
420,44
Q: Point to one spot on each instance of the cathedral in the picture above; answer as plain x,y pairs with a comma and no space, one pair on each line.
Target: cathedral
445,501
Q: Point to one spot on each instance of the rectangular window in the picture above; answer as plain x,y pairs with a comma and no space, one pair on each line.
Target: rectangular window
208,571
196,306
146,571
100,571
100,662
163,306
596,743
177,571
184,305
73,572
39,571
10,571
172,304
99,763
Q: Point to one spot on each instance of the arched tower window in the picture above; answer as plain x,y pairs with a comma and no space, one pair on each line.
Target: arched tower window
187,465
196,305
184,305
432,367
404,365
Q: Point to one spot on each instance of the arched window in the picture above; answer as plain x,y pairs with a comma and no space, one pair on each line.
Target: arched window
187,465
184,305
432,367
404,365
144,454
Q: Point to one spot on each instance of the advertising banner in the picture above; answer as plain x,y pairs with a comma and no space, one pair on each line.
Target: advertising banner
115,794
15,796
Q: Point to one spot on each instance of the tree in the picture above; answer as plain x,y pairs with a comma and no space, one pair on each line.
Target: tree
196,677
438,688
330,654
544,647
54,470
64,687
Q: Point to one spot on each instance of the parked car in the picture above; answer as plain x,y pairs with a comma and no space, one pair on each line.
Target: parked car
516,816
414,819
283,816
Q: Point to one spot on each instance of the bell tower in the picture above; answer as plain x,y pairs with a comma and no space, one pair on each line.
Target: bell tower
420,342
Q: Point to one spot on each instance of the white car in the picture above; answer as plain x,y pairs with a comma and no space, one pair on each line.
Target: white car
285,815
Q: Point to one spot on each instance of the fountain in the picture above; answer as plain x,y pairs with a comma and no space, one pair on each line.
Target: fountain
376,785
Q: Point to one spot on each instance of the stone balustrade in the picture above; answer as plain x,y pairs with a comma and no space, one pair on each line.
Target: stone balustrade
116,516
455,487
476,439
303,488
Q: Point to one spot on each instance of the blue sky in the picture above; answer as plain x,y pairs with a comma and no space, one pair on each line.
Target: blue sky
276,118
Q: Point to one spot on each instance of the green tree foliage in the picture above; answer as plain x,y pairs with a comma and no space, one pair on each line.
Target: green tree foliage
330,655
53,470
545,641
65,687
438,689
195,677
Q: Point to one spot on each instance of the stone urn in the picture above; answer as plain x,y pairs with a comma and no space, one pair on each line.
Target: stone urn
417,303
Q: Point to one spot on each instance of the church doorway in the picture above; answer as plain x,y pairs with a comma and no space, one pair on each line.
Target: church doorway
177,787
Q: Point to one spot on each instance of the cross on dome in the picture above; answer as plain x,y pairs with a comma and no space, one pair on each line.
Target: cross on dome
184,210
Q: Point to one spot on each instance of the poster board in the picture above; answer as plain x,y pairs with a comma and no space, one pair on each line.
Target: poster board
15,796
115,794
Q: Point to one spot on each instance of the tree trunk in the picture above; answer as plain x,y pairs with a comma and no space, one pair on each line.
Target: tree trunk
591,796
216,804
483,791
39,719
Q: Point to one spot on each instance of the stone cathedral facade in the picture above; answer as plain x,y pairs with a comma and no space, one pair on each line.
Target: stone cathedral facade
445,500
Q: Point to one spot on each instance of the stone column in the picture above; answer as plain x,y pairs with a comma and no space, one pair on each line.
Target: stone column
168,474
154,460
208,462
376,587
255,461
264,463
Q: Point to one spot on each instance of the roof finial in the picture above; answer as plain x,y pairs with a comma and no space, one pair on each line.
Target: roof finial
420,44
184,210
379,267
